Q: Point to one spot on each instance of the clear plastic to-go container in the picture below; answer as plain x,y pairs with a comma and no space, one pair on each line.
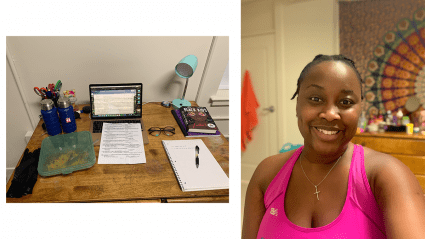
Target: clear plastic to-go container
66,153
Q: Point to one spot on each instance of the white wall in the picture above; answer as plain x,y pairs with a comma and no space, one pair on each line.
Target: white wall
79,61
212,77
17,122
302,29
224,84
308,28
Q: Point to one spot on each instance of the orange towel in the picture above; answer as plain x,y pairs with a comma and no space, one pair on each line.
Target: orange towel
249,105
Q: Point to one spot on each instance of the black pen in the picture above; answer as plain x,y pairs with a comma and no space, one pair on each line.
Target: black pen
196,153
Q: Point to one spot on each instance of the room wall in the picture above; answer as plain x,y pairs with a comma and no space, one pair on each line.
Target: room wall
308,28
301,29
79,61
213,75
17,122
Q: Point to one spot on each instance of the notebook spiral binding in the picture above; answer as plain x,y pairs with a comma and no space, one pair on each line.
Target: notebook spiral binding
174,169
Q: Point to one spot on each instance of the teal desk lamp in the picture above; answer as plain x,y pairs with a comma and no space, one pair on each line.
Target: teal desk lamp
185,69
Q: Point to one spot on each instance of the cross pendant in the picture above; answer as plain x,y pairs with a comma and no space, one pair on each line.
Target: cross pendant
317,193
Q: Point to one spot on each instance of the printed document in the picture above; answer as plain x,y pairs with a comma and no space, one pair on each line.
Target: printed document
121,143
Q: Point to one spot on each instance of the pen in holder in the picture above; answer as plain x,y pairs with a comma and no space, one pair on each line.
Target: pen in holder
55,99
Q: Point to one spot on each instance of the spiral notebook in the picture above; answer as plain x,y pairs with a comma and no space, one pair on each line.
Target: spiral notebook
207,176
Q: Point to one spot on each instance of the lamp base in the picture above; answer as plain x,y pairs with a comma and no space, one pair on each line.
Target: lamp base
178,103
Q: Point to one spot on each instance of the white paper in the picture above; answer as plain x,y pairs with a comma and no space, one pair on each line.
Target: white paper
121,143
208,176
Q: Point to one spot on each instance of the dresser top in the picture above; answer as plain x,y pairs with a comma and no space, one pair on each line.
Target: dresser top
393,135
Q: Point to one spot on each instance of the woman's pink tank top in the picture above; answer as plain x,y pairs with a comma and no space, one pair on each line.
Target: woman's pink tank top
360,216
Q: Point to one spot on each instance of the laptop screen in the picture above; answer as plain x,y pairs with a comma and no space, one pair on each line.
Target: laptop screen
116,101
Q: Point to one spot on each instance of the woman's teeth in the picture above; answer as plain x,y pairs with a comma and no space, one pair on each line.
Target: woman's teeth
327,132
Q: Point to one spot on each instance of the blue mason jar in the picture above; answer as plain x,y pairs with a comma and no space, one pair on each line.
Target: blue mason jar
66,114
50,117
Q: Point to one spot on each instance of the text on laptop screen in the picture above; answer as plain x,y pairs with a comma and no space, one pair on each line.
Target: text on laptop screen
116,101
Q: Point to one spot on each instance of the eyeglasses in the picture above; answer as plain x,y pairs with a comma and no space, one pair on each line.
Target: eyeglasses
156,131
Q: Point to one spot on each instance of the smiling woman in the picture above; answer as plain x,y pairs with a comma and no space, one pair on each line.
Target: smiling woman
330,187
328,104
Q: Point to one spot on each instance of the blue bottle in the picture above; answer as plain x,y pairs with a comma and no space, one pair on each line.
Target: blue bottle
66,115
50,117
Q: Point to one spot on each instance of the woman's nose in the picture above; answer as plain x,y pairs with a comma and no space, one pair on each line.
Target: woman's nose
330,113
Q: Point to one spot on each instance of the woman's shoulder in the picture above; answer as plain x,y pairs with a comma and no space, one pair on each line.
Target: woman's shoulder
377,163
268,169
375,159
398,195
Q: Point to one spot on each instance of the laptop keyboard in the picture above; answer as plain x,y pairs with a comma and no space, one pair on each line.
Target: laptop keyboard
97,125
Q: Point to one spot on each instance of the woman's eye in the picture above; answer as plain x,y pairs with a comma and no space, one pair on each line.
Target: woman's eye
315,99
347,102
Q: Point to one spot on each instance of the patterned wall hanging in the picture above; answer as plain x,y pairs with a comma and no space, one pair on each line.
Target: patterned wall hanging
397,69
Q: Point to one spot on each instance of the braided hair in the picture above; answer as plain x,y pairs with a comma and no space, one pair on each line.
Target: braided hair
322,58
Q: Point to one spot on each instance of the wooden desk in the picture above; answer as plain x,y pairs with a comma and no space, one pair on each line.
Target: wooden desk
409,149
153,181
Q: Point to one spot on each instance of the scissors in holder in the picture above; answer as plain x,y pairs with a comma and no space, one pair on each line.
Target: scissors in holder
40,92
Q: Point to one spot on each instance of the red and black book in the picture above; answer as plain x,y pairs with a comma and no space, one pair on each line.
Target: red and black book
179,119
198,120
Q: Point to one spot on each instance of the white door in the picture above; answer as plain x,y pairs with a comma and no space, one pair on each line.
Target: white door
301,30
258,57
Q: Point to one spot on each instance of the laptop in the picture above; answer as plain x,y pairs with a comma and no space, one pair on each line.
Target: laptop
115,103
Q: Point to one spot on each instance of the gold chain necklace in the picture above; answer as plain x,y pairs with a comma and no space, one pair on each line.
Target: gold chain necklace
317,192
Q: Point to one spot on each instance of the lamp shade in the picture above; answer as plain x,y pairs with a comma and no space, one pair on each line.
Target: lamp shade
187,66
185,69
